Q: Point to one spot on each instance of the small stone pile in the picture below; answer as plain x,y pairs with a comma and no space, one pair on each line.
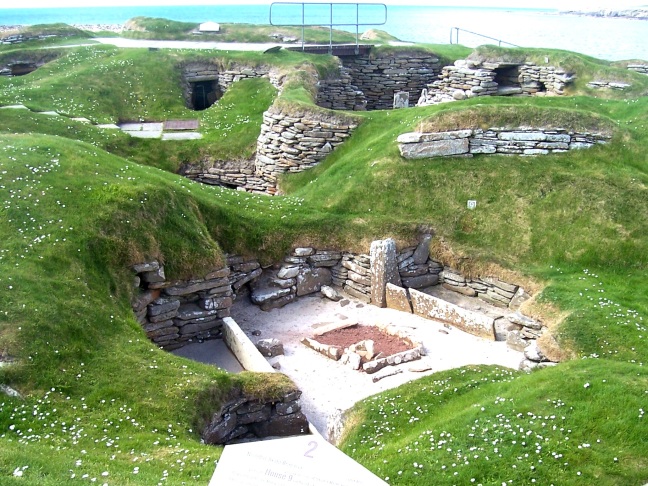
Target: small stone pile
356,272
20,38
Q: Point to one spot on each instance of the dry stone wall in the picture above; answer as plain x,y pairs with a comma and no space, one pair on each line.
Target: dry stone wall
517,141
467,79
340,93
248,418
292,143
286,144
174,313
615,85
380,77
639,68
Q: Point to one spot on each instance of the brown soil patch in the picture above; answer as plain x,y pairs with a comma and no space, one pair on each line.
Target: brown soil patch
383,342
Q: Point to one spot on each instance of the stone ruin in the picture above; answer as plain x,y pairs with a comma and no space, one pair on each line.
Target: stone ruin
469,79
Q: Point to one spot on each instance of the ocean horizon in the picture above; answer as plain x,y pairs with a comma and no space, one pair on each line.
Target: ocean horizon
605,38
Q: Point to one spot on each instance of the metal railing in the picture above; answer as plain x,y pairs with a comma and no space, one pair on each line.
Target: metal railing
457,29
330,24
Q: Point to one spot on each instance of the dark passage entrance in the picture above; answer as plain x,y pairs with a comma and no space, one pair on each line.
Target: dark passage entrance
20,69
507,77
204,94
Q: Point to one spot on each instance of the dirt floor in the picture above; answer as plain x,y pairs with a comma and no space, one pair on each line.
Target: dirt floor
329,387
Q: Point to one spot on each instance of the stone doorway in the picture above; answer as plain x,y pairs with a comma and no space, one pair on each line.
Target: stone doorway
203,94
507,77
21,69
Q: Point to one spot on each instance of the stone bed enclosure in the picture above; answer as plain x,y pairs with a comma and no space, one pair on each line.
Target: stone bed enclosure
176,313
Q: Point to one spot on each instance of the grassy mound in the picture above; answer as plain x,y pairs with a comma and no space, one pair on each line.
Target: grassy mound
80,205
164,29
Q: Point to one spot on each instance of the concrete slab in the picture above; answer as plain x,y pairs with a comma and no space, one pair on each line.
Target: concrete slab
214,352
82,120
48,113
182,136
108,126
307,460
14,107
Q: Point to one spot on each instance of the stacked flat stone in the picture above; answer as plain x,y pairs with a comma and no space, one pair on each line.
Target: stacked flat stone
495,140
358,281
464,76
417,270
294,144
468,79
19,38
339,93
639,68
174,313
380,77
305,271
615,85
244,418
534,78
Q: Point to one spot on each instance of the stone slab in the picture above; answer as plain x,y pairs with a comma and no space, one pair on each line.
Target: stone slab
441,148
398,299
384,269
307,460
243,349
431,307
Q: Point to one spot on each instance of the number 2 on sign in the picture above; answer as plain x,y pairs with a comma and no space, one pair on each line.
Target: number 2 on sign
312,446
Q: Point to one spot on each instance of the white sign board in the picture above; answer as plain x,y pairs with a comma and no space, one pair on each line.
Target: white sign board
305,460
472,204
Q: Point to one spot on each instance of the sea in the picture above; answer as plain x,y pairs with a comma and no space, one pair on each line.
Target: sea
605,38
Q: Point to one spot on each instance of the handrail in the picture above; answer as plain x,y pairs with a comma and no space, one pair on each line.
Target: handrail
457,29
330,24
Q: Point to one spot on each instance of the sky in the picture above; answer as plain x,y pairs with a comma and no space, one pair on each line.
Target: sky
557,4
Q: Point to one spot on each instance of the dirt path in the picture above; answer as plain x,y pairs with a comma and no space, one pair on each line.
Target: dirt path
329,388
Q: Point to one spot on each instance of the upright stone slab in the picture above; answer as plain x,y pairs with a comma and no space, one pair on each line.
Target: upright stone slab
384,270
401,100
398,299
431,307
422,252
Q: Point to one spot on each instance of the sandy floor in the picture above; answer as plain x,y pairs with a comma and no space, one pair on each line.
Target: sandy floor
329,388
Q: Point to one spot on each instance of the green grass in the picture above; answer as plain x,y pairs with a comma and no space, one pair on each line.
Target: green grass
79,205
164,29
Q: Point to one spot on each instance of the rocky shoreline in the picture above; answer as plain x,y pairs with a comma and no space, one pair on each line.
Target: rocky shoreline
631,13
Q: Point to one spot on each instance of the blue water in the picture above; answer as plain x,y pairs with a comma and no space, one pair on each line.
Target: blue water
612,39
